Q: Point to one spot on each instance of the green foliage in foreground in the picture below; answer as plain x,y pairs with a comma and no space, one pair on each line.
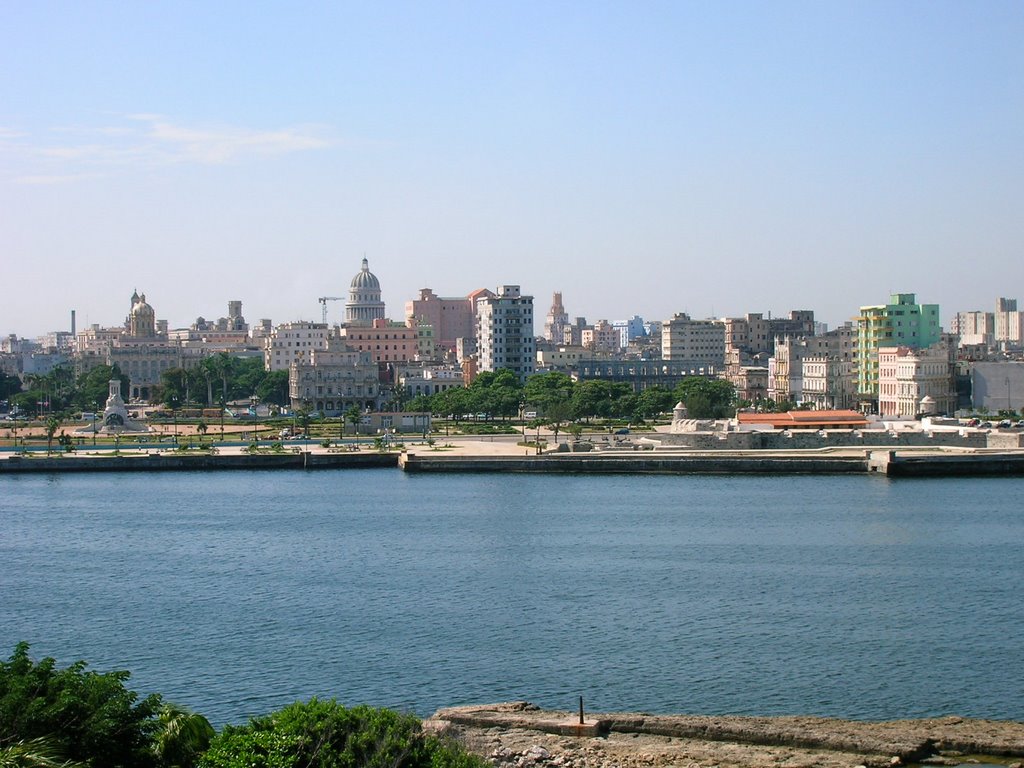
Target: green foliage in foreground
324,734
77,718
74,714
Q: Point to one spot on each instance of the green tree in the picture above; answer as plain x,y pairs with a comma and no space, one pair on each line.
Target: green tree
52,425
353,416
556,414
173,387
543,389
420,403
653,401
9,385
87,716
35,753
181,738
706,398
273,388
324,734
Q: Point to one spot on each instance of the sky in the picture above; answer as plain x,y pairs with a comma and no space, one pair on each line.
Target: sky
643,158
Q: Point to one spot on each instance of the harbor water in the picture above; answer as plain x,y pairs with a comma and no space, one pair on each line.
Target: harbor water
235,593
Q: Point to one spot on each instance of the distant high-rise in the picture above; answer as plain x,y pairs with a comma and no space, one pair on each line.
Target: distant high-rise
505,332
557,320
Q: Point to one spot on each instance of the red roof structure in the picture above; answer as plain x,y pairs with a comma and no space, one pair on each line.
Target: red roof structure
805,420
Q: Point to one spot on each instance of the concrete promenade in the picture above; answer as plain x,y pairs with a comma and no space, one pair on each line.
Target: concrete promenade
504,454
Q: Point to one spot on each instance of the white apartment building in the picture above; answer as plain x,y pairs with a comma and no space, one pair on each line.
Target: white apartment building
974,328
505,332
1009,323
430,380
906,376
293,343
700,341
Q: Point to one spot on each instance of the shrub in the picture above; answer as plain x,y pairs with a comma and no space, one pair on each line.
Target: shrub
324,734
83,715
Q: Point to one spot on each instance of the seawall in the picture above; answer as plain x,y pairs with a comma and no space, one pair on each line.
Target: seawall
171,462
648,462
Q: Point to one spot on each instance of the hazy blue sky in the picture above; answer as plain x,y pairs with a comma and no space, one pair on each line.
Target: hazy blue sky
641,157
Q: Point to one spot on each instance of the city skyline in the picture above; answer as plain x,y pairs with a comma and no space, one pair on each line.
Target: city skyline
648,159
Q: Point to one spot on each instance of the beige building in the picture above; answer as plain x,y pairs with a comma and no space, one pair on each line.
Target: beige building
602,336
1009,324
750,381
829,383
698,341
333,380
755,334
906,376
563,358
974,328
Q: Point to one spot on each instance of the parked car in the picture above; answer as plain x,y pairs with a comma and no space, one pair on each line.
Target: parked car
1004,424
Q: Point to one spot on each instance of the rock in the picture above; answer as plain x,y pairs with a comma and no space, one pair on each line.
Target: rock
536,753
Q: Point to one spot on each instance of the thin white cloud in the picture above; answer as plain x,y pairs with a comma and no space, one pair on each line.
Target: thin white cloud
148,140
219,145
41,180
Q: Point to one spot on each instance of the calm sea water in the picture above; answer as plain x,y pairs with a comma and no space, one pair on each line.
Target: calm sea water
237,593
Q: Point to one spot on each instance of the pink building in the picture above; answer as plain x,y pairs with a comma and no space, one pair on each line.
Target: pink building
451,318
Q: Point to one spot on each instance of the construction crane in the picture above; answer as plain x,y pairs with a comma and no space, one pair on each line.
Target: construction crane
323,301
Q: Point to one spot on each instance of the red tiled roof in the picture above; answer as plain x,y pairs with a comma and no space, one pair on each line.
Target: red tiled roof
806,419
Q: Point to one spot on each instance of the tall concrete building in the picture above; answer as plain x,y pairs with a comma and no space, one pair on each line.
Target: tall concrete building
364,304
1009,323
557,320
974,328
505,332
698,341
900,323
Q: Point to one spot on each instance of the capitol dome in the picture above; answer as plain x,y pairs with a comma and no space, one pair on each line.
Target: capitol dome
365,280
364,304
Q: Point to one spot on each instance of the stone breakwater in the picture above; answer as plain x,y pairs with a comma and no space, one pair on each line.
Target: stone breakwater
520,735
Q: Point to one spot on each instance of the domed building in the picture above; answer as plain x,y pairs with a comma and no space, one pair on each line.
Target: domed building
364,304
141,321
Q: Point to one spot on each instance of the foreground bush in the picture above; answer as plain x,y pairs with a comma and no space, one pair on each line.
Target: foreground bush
324,734
73,714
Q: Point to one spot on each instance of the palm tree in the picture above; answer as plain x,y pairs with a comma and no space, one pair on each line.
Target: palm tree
52,425
43,752
182,737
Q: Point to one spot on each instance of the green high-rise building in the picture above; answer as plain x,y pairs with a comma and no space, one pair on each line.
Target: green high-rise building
900,323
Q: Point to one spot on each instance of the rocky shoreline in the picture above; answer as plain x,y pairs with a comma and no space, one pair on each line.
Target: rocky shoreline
521,735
